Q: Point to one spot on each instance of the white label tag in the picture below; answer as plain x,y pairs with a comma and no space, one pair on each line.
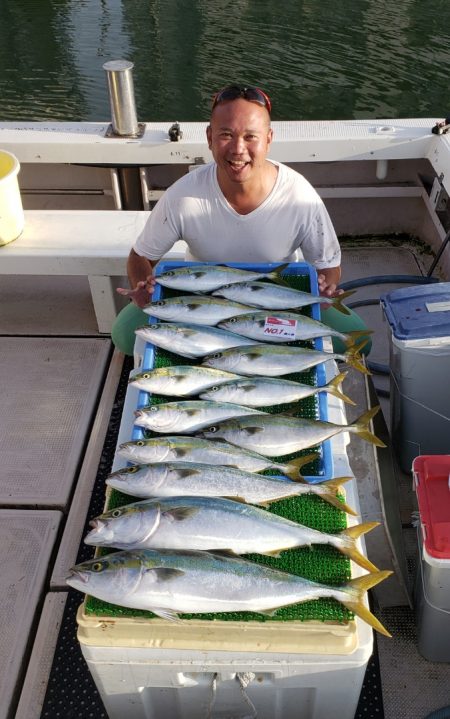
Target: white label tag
438,306
280,327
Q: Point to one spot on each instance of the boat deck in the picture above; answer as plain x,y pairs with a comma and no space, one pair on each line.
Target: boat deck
63,388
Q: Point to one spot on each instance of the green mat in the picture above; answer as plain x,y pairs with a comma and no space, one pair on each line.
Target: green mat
319,563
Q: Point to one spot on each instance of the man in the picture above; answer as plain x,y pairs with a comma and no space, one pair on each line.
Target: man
242,207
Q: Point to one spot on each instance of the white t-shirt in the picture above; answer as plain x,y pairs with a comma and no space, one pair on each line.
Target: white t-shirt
291,224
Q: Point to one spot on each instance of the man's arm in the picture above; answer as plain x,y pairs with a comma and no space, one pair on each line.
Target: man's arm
140,275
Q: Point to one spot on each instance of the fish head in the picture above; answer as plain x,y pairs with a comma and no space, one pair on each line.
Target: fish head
135,450
142,380
225,392
126,526
109,577
157,418
219,431
153,331
163,309
121,478
226,360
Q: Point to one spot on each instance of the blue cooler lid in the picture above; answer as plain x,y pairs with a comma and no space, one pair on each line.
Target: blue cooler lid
419,311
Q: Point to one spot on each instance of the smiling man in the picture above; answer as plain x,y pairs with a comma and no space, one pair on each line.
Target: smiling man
242,207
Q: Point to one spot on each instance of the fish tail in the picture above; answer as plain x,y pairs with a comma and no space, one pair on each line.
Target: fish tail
275,276
329,491
337,302
353,358
293,467
361,427
334,388
354,335
356,589
348,545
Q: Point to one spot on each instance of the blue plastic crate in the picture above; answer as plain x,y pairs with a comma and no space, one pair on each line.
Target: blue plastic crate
295,268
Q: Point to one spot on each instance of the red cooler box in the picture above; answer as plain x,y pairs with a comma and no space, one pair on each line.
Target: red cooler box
432,589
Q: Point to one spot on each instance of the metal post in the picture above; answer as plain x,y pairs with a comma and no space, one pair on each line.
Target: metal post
121,96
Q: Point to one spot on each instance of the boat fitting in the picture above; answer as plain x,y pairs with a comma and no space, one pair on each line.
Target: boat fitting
121,98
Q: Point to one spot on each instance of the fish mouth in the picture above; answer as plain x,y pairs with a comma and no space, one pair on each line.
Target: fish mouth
76,575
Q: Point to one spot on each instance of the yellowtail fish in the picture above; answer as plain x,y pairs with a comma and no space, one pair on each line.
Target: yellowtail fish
188,416
264,326
180,380
195,309
206,277
189,340
278,435
273,297
215,523
271,391
172,479
169,583
205,451
272,360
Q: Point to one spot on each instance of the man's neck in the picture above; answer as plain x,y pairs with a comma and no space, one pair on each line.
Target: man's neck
246,197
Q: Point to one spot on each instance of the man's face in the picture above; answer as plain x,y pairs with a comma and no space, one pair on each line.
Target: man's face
239,137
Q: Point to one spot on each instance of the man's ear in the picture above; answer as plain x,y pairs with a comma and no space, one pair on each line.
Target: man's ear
208,136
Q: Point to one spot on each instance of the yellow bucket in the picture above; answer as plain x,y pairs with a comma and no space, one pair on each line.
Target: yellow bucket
11,211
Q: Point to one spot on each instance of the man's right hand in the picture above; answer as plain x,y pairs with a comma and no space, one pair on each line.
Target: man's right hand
141,294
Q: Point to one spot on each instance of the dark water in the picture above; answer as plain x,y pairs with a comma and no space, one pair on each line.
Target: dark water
318,59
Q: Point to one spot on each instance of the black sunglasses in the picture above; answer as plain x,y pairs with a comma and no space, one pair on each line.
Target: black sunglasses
232,92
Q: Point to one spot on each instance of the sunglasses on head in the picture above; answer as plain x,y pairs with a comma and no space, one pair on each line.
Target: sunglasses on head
232,92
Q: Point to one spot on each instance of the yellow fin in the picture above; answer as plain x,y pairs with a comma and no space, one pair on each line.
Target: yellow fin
359,586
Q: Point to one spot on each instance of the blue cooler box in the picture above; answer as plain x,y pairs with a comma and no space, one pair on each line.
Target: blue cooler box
419,319
325,461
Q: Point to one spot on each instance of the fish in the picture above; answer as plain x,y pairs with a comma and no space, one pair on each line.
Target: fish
272,360
170,583
273,297
278,435
187,416
194,449
215,523
189,340
205,278
180,380
286,327
172,479
195,309
271,391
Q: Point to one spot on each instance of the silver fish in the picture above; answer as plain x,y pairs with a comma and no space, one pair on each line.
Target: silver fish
180,380
271,391
278,435
167,583
204,451
275,360
263,326
274,297
172,479
187,416
205,277
215,523
195,309
189,340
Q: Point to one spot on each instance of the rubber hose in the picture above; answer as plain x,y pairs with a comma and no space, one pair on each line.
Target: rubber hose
443,713
387,279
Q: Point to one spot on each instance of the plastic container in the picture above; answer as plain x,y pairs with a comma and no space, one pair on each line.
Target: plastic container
419,319
432,586
147,669
12,219
299,269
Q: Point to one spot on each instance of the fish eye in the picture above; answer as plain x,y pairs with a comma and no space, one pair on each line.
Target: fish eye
133,469
116,513
153,408
146,376
212,429
170,273
232,320
214,389
160,303
217,355
98,567
140,443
